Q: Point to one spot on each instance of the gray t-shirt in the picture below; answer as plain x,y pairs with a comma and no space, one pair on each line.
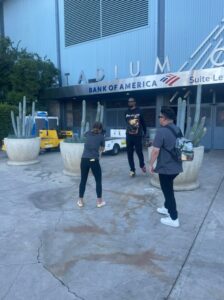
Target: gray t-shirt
92,145
164,138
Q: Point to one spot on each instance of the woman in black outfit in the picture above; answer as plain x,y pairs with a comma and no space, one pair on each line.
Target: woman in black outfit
94,145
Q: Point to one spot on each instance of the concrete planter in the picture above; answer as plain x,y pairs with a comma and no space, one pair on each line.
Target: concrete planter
71,154
188,179
22,151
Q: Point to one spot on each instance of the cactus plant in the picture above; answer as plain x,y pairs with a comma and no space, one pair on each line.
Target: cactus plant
85,125
181,112
99,112
22,124
198,130
83,122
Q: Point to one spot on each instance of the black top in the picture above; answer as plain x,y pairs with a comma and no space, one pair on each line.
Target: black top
92,144
135,122
165,139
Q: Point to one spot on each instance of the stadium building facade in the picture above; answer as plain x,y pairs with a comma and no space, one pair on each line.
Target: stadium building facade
108,50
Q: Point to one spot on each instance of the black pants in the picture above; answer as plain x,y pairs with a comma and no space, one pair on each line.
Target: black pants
86,165
166,183
134,143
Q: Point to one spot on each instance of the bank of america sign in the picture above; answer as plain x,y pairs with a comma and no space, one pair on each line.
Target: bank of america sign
179,79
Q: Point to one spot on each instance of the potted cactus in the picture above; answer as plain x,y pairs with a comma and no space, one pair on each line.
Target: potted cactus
188,179
22,148
72,148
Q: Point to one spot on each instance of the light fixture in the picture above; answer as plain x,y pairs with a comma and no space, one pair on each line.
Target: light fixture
174,96
187,94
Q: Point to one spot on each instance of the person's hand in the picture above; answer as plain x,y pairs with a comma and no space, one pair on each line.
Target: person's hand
100,154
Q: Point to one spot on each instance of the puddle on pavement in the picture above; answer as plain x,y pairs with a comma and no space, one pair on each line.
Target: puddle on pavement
129,195
85,229
134,201
146,261
50,199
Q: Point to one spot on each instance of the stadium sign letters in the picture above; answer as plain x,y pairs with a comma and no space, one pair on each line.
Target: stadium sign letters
134,70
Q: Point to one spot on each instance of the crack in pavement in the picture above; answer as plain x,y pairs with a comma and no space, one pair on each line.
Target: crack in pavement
62,283
49,271
59,220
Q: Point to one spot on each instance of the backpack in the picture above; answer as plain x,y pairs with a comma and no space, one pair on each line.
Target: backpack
183,150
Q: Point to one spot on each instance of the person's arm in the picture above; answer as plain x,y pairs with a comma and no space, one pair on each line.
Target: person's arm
154,155
125,117
157,144
142,121
102,145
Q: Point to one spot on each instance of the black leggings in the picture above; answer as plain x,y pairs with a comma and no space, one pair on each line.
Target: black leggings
87,164
134,143
166,183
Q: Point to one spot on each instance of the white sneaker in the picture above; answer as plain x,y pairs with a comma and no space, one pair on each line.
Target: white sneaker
80,203
168,221
163,211
100,204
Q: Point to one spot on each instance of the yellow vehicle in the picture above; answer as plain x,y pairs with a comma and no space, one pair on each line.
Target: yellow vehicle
3,146
50,139
47,129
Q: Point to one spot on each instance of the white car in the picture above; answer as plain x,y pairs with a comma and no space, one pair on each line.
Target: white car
116,141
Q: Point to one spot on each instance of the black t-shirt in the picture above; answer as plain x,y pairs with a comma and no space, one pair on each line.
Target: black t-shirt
135,122
92,144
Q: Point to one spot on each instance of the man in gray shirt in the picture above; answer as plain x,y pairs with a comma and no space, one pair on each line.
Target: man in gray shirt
168,166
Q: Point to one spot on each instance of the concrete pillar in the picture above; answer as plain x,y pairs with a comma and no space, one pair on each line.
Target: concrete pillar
161,30
54,108
58,42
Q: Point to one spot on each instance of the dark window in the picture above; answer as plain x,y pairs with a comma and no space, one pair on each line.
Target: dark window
86,20
149,115
123,15
82,21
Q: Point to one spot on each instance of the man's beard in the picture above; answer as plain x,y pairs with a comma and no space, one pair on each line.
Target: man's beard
131,105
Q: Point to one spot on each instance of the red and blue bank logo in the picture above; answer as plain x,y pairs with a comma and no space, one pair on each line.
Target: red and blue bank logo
169,79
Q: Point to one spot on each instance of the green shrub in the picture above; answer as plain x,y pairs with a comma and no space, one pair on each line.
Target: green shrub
5,120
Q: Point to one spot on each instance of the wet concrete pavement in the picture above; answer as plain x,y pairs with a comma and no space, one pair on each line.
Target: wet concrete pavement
51,249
